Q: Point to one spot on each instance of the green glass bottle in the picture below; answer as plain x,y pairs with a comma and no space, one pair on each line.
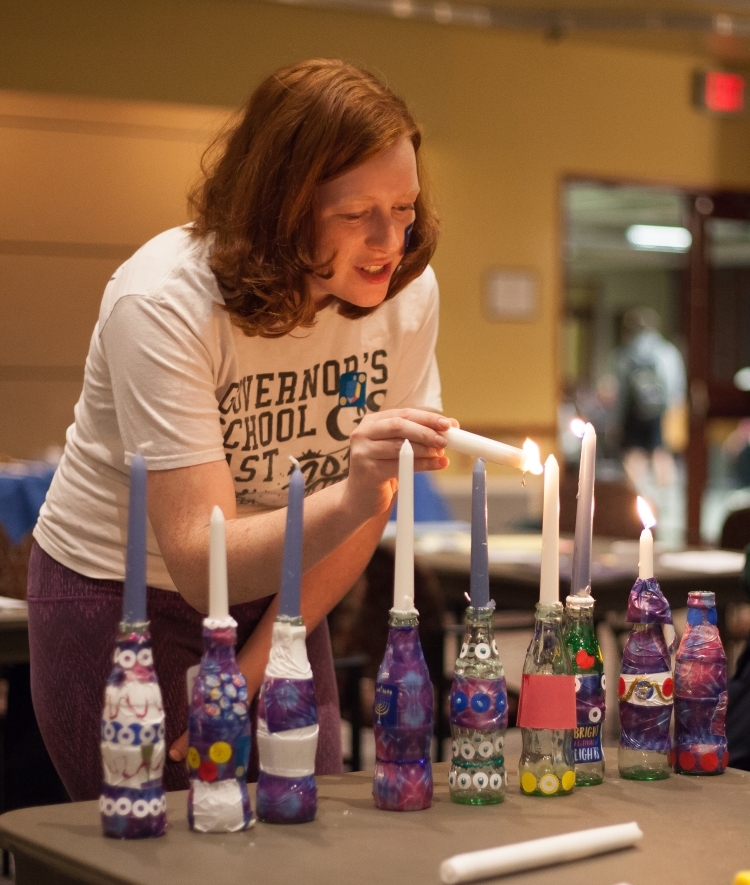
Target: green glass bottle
580,639
478,715
546,766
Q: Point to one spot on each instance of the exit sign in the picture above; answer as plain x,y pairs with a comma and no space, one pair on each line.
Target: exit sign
719,92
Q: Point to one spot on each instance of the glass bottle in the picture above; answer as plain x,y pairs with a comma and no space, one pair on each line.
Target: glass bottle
132,803
546,766
403,720
645,692
700,692
478,715
219,736
287,729
586,659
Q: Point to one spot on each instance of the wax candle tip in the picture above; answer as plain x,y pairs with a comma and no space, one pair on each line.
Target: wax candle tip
216,513
294,461
406,446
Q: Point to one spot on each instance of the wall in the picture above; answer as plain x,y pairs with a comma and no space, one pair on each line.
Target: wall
506,117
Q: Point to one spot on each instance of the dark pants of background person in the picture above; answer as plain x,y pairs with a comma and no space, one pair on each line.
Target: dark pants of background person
72,629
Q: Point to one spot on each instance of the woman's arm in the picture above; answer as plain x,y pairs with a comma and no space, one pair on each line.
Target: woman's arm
181,500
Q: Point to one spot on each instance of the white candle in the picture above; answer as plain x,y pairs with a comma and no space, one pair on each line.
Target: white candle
581,572
646,546
218,596
537,853
549,583
525,459
403,584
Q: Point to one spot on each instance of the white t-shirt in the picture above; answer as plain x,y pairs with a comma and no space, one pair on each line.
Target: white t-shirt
169,375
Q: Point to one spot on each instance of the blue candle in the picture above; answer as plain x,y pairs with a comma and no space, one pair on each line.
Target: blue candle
291,566
134,597
480,574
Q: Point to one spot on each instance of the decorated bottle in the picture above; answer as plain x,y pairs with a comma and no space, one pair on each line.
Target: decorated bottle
547,709
645,689
580,639
219,736
287,729
478,716
132,802
403,720
700,692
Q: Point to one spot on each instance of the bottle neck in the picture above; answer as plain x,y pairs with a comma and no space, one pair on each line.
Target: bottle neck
402,619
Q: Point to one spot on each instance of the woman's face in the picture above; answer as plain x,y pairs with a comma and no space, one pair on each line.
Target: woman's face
362,217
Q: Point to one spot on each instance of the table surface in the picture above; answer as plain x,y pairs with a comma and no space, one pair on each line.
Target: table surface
695,832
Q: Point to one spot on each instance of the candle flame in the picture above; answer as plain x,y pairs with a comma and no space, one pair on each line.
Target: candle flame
531,461
578,427
645,513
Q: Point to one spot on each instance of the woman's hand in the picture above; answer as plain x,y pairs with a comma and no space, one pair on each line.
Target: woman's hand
375,445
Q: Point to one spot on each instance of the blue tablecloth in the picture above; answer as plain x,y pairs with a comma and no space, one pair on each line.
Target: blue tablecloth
22,492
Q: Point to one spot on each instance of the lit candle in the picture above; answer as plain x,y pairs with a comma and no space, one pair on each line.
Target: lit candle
581,573
646,546
291,567
218,595
525,459
549,583
134,594
480,577
403,584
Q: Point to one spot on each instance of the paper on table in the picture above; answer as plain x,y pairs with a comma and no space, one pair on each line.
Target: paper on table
709,562
7,603
537,853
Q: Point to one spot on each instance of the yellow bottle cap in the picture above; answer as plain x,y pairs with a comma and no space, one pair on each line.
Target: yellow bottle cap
742,878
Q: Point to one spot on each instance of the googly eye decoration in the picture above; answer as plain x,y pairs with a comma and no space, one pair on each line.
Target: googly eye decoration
452,779
454,748
485,749
496,781
467,750
464,780
604,681
595,715
464,650
482,651
495,648
126,659
480,780
145,657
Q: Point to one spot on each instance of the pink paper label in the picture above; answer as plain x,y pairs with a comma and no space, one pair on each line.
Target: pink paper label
547,701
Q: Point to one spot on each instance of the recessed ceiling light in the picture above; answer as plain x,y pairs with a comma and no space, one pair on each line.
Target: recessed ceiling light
742,379
659,238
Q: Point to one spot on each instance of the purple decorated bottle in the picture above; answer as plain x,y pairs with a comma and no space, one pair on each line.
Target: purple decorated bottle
219,736
478,715
646,687
700,692
132,802
403,720
287,729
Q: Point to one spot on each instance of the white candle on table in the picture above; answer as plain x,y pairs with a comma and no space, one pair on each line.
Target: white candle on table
646,546
525,459
549,582
581,572
403,584
218,596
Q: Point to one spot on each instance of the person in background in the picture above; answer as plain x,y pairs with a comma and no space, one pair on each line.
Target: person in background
651,391
297,316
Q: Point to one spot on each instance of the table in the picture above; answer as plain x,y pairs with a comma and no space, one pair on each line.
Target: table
695,832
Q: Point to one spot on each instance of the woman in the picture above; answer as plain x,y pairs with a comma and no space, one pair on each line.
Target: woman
296,316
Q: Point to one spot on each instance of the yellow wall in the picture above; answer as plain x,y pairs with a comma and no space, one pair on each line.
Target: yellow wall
507,117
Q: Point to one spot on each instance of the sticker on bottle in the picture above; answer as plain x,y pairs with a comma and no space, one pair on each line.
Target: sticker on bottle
587,738
385,710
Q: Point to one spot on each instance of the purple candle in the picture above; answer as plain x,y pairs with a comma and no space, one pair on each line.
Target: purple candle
291,566
480,577
134,596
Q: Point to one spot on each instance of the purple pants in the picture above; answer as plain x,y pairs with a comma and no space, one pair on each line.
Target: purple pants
72,628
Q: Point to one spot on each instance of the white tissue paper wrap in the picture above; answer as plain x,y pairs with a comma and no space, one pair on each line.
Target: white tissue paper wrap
217,807
288,658
125,762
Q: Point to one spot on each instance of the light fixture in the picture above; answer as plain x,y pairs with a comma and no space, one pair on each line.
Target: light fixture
742,379
659,238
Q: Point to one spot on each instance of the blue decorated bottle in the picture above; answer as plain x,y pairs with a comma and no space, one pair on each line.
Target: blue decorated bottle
403,720
219,736
478,716
700,692
132,803
586,659
646,687
287,729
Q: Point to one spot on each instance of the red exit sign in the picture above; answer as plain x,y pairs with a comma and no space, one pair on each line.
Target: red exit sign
719,92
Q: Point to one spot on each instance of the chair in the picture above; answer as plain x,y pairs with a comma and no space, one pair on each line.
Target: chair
615,515
735,533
